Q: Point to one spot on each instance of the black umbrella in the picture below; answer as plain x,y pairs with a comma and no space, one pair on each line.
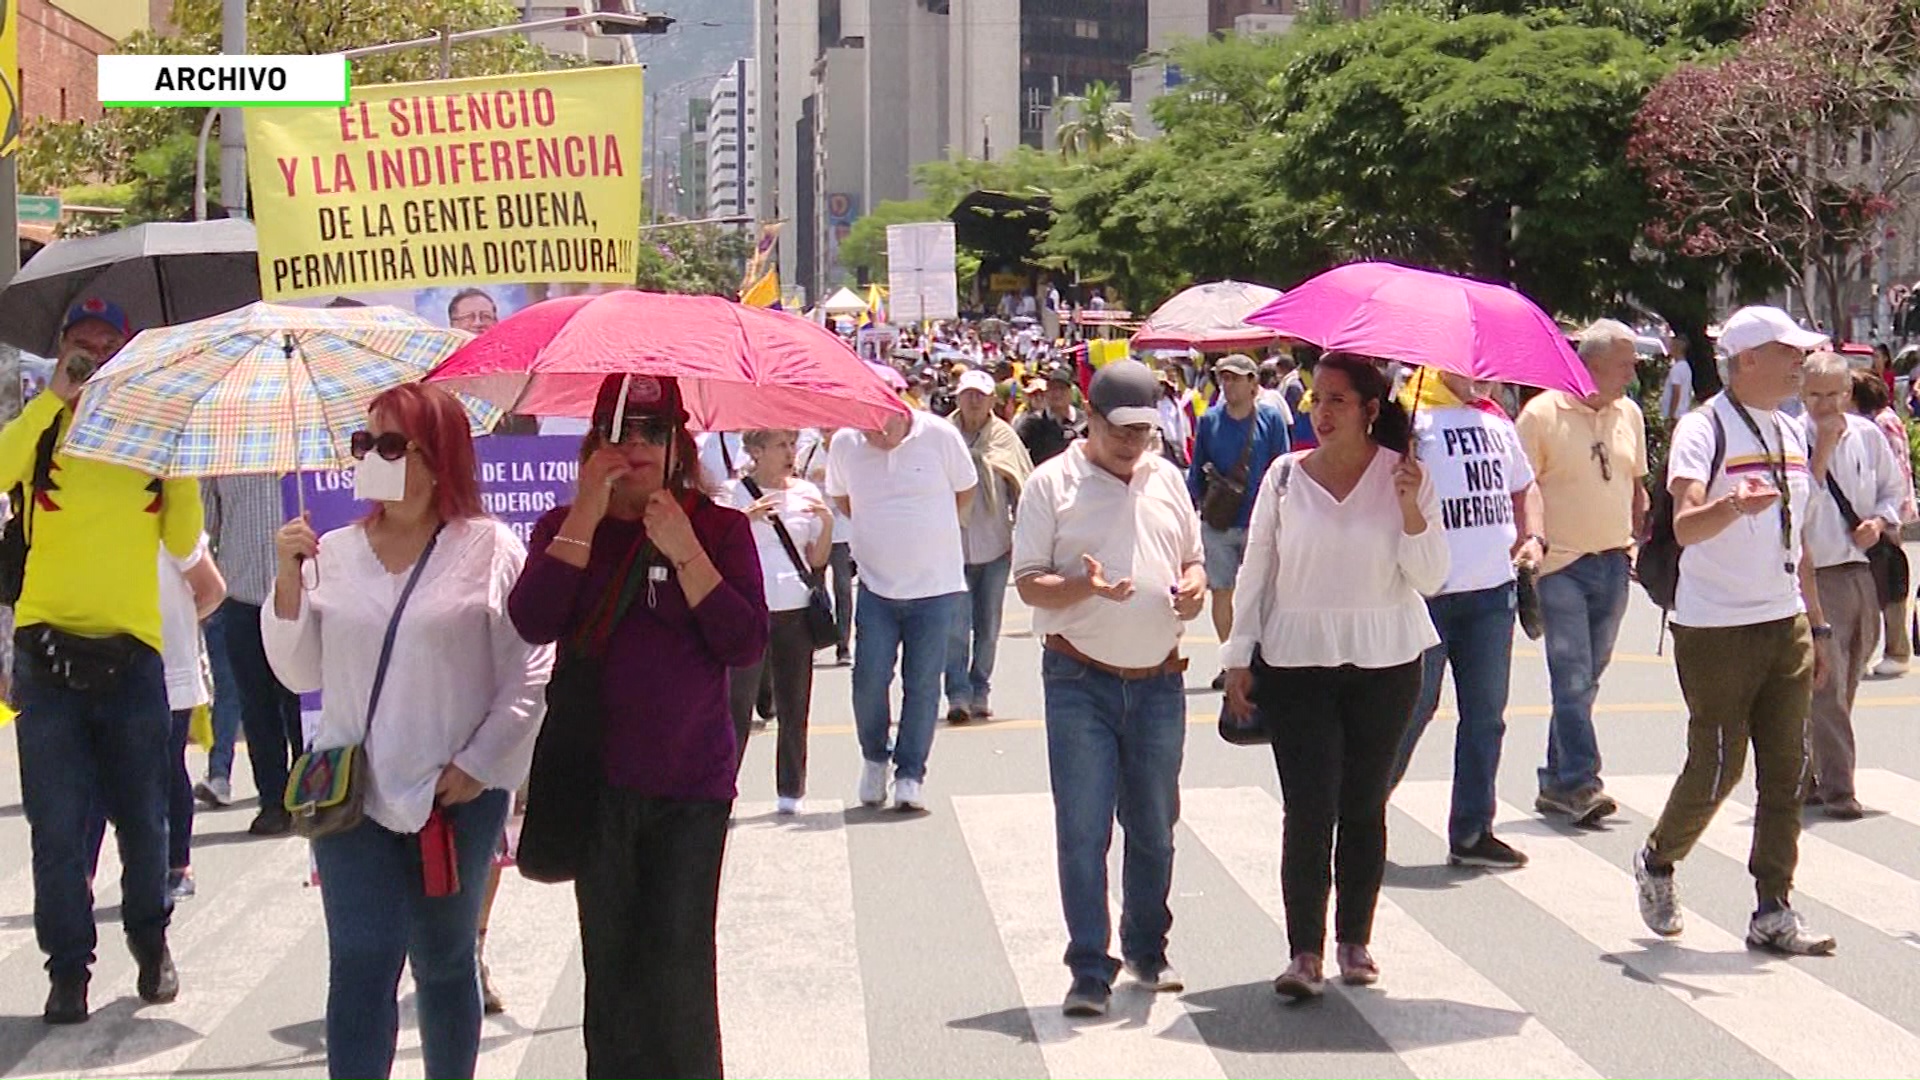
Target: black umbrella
159,274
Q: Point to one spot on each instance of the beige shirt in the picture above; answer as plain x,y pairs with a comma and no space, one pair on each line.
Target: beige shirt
1145,530
1589,508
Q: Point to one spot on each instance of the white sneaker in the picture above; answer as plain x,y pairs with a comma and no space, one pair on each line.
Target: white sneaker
214,791
1890,667
873,783
906,795
786,807
1659,900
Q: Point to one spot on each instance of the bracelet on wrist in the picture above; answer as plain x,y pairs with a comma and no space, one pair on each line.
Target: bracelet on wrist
571,542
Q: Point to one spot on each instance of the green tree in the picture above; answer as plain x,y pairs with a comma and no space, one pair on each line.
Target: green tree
153,148
1096,120
701,259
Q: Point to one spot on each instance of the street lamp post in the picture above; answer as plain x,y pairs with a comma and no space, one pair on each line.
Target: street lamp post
444,41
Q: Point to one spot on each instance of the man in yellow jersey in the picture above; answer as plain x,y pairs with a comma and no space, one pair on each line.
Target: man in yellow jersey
88,678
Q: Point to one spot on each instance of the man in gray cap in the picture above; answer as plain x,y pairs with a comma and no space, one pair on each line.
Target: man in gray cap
1232,446
1107,553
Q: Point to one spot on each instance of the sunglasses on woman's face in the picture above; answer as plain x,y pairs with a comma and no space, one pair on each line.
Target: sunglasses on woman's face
655,430
391,446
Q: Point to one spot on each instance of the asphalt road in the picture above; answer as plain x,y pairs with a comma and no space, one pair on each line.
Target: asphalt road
863,943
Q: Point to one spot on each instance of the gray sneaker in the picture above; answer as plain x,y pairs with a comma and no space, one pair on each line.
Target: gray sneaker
1784,930
1659,900
1088,997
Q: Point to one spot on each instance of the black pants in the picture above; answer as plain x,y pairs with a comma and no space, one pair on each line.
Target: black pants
1336,733
789,657
648,895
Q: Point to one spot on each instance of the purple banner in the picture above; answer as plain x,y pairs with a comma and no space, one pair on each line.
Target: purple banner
521,478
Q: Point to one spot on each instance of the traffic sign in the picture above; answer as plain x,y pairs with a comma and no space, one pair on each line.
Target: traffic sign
38,209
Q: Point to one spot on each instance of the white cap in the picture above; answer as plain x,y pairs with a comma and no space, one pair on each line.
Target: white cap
976,380
1752,327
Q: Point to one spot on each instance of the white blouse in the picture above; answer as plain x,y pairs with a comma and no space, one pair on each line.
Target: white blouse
1329,582
461,688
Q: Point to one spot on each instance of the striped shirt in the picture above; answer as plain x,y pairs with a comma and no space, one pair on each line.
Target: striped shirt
243,514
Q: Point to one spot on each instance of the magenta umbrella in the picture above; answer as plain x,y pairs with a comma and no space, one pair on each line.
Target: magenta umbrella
1469,328
739,367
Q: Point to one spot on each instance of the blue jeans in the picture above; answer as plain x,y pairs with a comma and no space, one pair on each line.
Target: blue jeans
378,918
976,634
269,712
1114,749
108,744
1476,638
179,803
1582,606
226,699
915,632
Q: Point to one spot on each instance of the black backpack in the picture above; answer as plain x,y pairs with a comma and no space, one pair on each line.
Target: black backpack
18,536
1658,567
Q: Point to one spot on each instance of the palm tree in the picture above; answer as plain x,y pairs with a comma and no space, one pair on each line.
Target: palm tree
1095,120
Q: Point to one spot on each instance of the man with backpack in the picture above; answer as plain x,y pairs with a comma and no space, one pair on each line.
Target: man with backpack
1750,640
1589,458
89,681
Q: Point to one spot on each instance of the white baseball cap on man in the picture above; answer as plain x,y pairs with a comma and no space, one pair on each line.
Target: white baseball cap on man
1757,325
975,380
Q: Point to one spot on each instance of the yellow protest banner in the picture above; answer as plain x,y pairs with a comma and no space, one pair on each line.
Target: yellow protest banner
9,76
464,182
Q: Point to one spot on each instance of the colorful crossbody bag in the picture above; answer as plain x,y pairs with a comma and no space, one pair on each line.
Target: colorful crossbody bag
326,793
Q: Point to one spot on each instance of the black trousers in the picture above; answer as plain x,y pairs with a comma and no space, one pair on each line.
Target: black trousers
789,658
648,894
1336,735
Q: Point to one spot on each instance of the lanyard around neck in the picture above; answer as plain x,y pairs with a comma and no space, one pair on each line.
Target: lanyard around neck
1776,468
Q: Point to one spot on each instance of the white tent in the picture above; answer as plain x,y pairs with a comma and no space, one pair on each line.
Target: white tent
844,302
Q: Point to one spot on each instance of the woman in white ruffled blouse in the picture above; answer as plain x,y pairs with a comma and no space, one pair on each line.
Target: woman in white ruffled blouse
452,734
1329,625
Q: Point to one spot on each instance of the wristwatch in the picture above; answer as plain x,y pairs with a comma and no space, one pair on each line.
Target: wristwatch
1822,633
1538,539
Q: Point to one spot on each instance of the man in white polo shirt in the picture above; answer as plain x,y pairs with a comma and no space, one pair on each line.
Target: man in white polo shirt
1750,641
905,489
1107,552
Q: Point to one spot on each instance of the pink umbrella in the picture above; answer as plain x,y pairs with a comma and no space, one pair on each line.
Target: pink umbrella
739,367
888,374
1210,317
1470,328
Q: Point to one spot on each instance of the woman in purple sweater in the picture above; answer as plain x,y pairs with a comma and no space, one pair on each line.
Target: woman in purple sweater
649,879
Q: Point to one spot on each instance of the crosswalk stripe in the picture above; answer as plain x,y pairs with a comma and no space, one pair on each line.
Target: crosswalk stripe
792,1003
1852,884
1769,1004
1011,840
532,936
216,976
16,901
1241,827
1890,793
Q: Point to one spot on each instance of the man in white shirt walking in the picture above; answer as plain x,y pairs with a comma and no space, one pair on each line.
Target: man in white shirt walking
905,488
1750,641
1107,552
1856,499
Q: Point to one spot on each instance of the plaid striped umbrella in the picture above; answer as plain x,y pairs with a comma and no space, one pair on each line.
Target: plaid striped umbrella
266,388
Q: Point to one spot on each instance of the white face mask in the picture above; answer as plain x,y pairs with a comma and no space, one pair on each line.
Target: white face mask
375,479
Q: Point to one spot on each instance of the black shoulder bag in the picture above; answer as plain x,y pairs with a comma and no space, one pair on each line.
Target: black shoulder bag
822,630
1885,559
563,785
1226,492
1252,729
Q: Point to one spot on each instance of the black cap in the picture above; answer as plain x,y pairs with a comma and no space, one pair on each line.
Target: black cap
1060,374
1125,392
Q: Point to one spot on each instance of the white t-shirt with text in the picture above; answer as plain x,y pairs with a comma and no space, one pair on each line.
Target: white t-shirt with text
1477,467
1746,574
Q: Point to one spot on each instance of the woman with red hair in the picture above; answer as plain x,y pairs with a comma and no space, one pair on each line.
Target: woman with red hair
407,633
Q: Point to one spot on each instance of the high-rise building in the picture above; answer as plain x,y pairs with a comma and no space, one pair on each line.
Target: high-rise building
690,190
733,138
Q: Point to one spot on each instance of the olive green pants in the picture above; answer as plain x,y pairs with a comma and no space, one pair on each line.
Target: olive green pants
1743,685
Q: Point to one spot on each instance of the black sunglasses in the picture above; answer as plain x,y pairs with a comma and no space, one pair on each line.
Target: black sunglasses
391,446
656,430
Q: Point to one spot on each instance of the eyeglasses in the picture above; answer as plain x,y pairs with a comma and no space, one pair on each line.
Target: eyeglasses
391,446
654,430
1606,461
1131,432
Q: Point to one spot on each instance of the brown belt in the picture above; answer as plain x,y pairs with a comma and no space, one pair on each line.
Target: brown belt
1174,664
